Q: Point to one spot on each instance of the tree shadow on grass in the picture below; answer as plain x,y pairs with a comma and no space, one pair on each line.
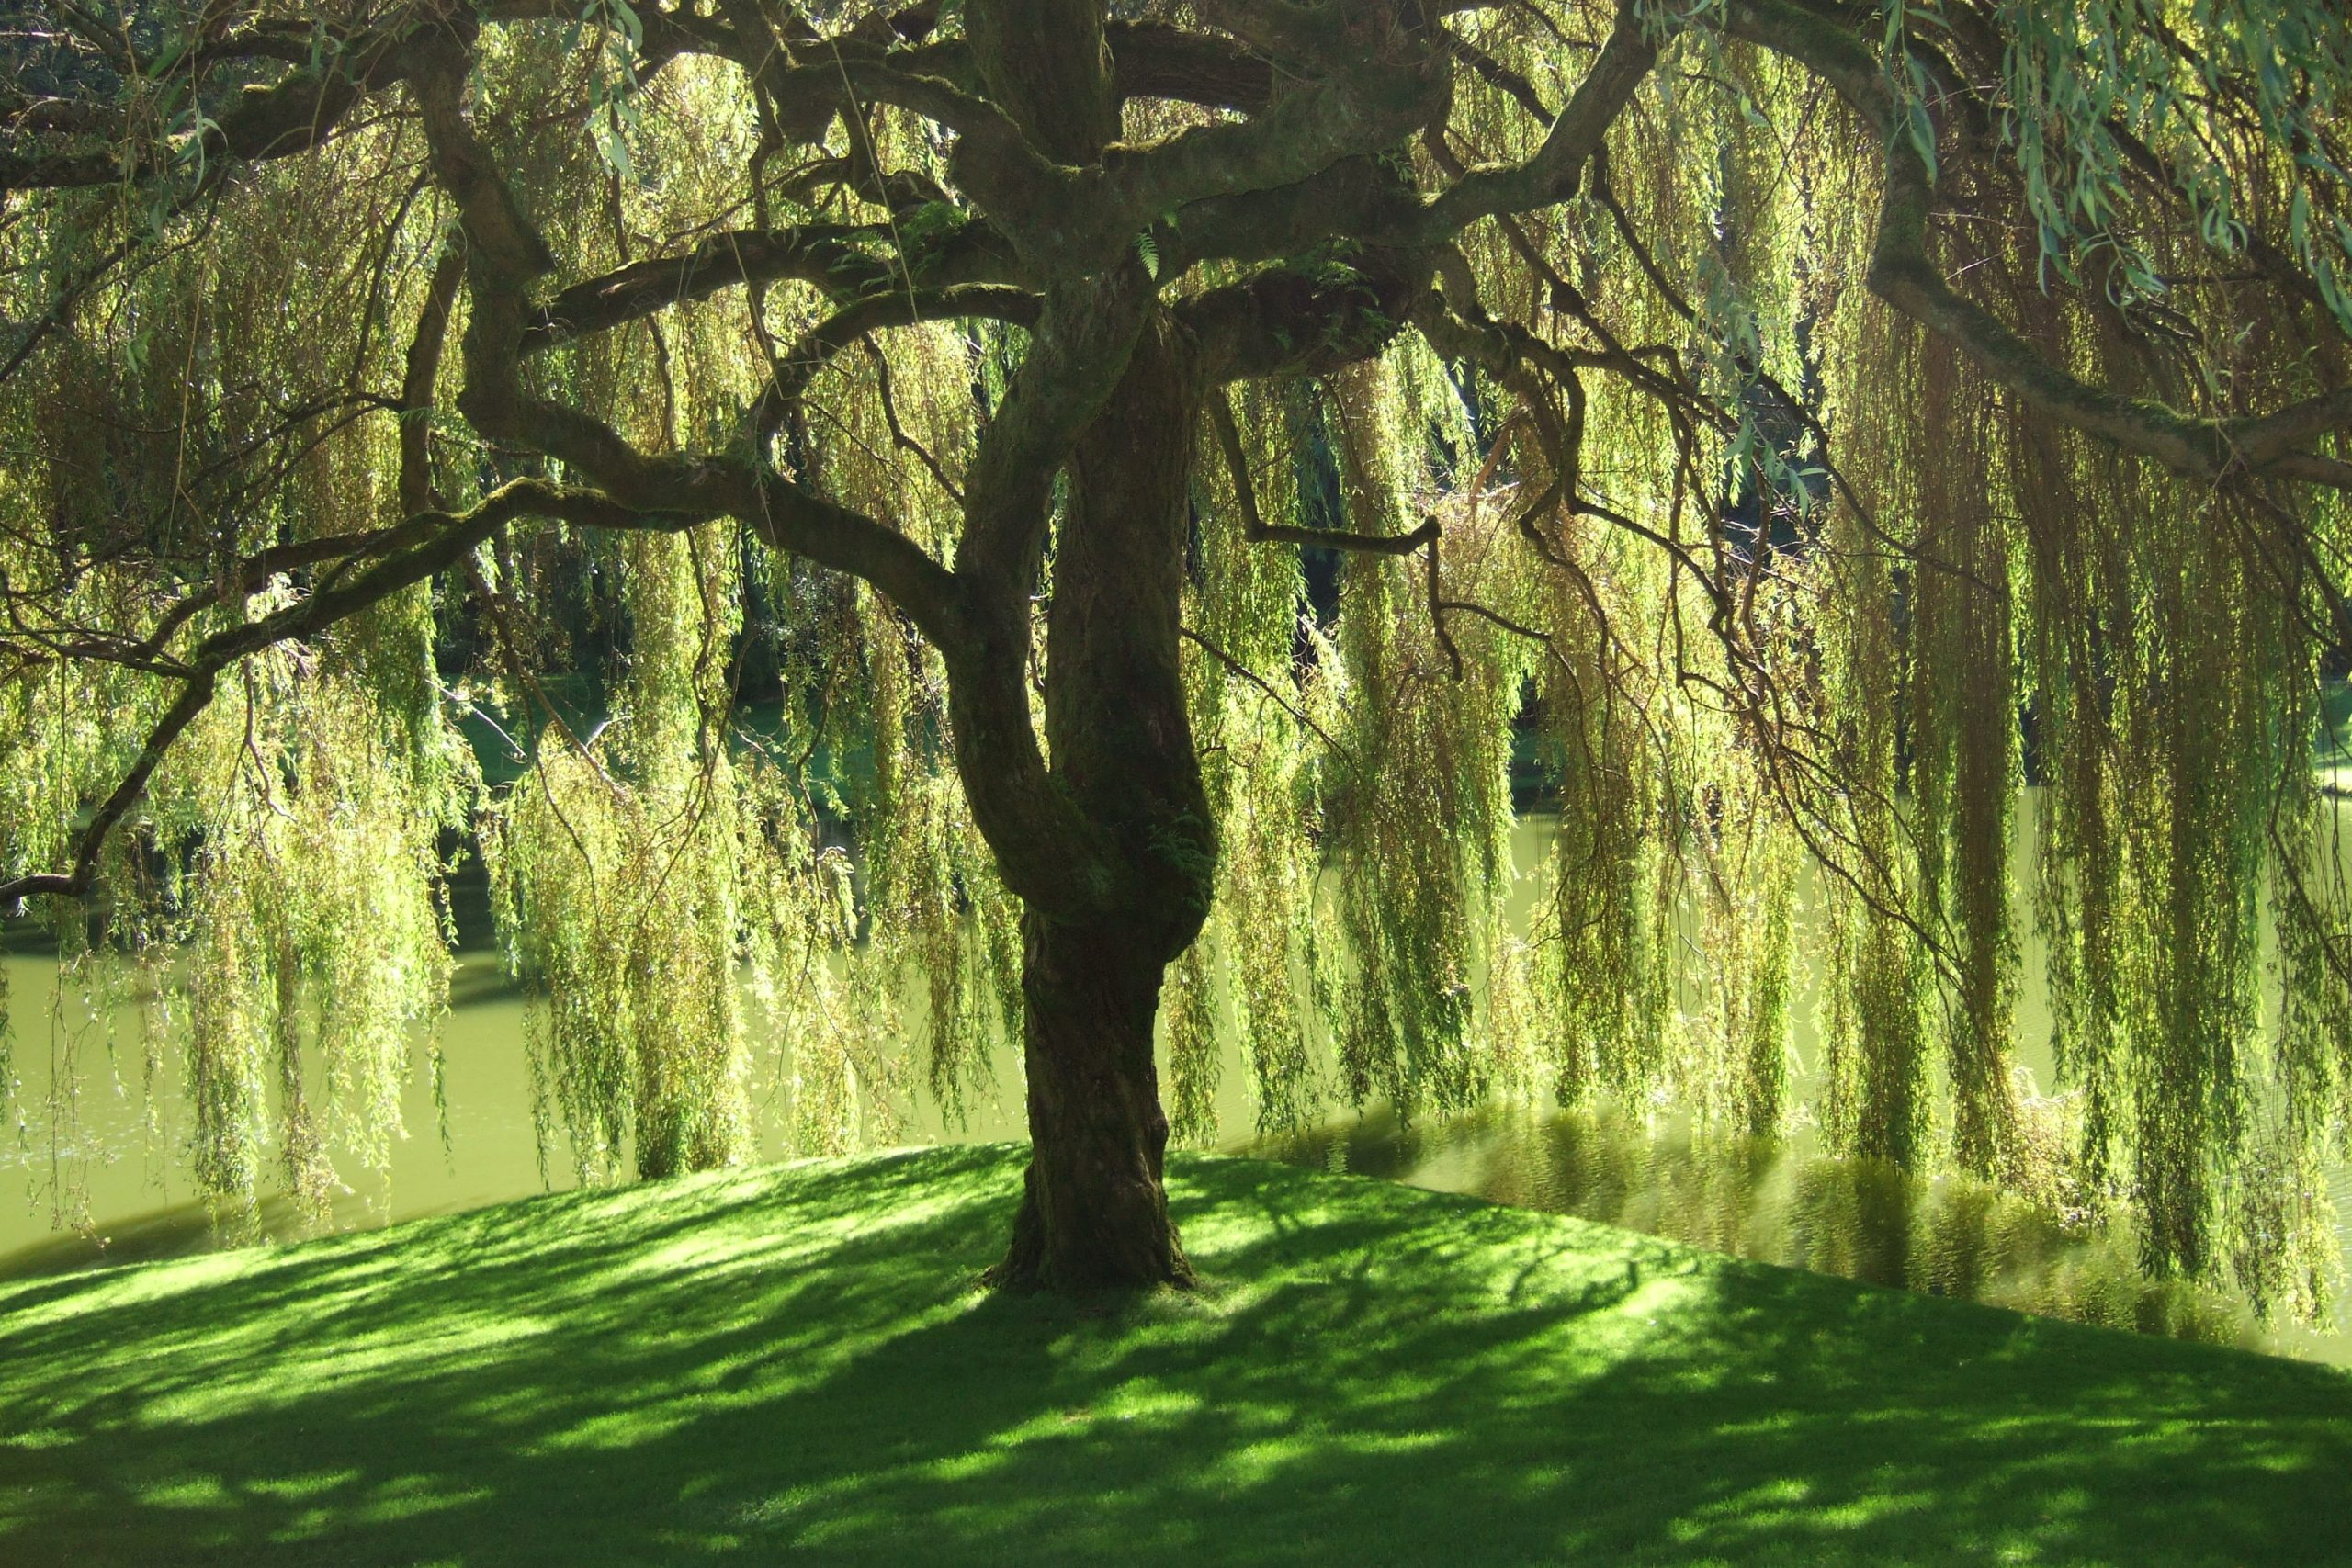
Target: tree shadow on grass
797,1365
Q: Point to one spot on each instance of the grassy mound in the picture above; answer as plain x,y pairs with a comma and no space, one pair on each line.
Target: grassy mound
794,1364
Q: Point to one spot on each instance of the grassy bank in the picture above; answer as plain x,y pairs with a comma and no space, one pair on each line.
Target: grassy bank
793,1364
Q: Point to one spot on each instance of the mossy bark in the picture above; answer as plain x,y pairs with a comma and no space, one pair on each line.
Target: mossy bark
1093,1214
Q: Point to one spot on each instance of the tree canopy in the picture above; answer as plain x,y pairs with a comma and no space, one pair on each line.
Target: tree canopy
1158,456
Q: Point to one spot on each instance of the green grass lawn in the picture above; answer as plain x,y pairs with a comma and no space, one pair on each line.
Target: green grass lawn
794,1364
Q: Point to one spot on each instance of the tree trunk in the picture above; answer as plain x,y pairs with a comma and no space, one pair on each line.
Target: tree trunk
1094,1215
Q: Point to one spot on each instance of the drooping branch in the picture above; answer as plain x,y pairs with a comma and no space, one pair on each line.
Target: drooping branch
824,256
1299,716
898,435
1254,525
858,322
1302,134
1349,198
430,543
1550,175
422,372
1285,321
506,253
1905,276
1502,77
266,122
196,693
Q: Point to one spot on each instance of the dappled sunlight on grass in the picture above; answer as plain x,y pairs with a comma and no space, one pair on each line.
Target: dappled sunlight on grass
800,1357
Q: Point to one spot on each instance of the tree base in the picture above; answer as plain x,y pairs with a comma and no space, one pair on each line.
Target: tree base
1125,1244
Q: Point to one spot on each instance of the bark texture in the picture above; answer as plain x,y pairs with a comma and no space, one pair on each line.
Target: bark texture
1093,1214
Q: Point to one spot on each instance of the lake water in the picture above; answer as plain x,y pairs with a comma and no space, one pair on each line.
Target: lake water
108,1186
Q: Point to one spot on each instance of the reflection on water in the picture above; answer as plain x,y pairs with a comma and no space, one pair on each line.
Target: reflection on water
98,1175
1783,1202
179,1230
102,1180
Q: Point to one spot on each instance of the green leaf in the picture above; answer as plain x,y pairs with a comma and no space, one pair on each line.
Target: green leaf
625,17
1923,136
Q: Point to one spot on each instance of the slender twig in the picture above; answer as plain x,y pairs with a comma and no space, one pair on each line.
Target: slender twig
1237,668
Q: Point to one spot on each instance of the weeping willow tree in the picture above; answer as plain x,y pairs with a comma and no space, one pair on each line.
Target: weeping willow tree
1179,451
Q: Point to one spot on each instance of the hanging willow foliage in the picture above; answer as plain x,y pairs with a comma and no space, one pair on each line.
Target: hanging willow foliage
1019,523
